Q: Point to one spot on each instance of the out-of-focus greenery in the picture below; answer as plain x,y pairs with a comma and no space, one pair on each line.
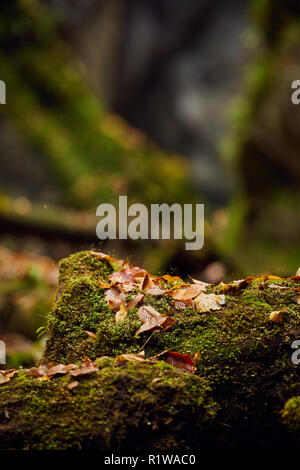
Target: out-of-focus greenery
263,228
93,155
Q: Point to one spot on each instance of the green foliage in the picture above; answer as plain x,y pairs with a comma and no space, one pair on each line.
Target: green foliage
94,156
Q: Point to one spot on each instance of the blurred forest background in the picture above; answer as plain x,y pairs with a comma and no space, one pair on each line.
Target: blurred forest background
162,100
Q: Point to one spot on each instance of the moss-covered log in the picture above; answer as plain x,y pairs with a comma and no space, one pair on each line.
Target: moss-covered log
243,381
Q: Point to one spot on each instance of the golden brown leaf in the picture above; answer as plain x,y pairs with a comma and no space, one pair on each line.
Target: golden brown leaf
207,302
153,320
131,357
276,316
72,385
187,293
121,314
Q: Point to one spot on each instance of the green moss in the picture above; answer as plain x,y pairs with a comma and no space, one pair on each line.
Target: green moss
291,415
110,409
238,343
93,156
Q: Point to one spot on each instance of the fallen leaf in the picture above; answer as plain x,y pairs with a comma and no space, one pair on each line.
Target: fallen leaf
90,334
100,255
158,379
104,285
85,368
298,272
122,276
121,314
4,380
181,361
152,320
187,293
59,369
134,302
147,283
173,280
183,304
156,291
72,385
274,286
131,357
201,283
206,302
235,286
127,286
114,297
36,372
276,316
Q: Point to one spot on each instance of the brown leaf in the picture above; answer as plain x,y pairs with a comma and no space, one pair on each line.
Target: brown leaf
201,283
147,283
85,368
90,334
131,357
121,314
276,316
183,304
36,372
235,286
59,369
173,280
100,255
122,276
4,380
182,361
156,291
153,320
134,302
114,297
207,302
104,285
72,385
187,293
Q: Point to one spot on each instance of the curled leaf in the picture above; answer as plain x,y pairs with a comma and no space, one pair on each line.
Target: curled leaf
152,320
276,316
134,302
72,385
207,302
114,297
121,314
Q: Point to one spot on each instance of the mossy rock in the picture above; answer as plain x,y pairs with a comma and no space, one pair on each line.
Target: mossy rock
110,409
291,416
245,360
